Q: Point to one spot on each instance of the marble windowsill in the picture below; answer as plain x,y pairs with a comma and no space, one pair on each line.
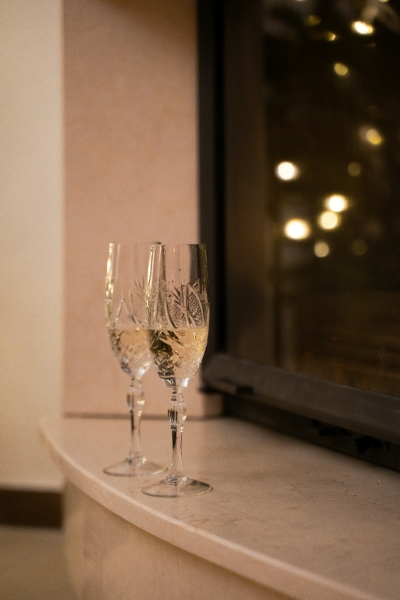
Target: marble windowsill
298,519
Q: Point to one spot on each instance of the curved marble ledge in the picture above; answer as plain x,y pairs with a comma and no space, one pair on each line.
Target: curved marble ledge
302,521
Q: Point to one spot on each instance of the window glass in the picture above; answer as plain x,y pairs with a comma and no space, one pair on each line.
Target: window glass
331,92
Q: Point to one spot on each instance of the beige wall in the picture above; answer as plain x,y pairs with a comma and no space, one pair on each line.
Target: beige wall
30,236
129,95
131,172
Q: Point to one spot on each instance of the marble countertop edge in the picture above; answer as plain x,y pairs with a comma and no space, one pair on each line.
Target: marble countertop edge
260,568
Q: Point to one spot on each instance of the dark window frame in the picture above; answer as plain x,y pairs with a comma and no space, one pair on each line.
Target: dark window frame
358,422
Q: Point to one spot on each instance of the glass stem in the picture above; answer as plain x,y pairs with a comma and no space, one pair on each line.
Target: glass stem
135,400
177,418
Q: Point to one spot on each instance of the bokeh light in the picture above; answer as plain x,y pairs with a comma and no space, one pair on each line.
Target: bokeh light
297,229
341,69
328,220
321,249
362,28
336,202
287,171
354,169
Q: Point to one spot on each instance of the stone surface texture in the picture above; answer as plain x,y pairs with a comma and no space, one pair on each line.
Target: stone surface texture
284,517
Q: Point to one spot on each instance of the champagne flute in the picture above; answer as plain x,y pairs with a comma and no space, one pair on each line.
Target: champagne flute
178,319
125,307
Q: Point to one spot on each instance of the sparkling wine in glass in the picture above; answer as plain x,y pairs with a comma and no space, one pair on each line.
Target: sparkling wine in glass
125,307
178,319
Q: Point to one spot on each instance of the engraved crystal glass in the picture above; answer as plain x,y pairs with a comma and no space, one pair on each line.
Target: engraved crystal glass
125,308
178,319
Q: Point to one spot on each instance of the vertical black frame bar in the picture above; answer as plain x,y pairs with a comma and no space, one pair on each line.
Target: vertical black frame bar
211,160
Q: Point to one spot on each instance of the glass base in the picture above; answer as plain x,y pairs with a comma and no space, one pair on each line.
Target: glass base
134,467
166,489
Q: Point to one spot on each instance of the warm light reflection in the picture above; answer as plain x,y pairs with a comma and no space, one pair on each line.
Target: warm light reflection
336,203
354,169
313,20
359,247
321,249
287,171
328,220
362,28
341,69
371,135
297,229
329,36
